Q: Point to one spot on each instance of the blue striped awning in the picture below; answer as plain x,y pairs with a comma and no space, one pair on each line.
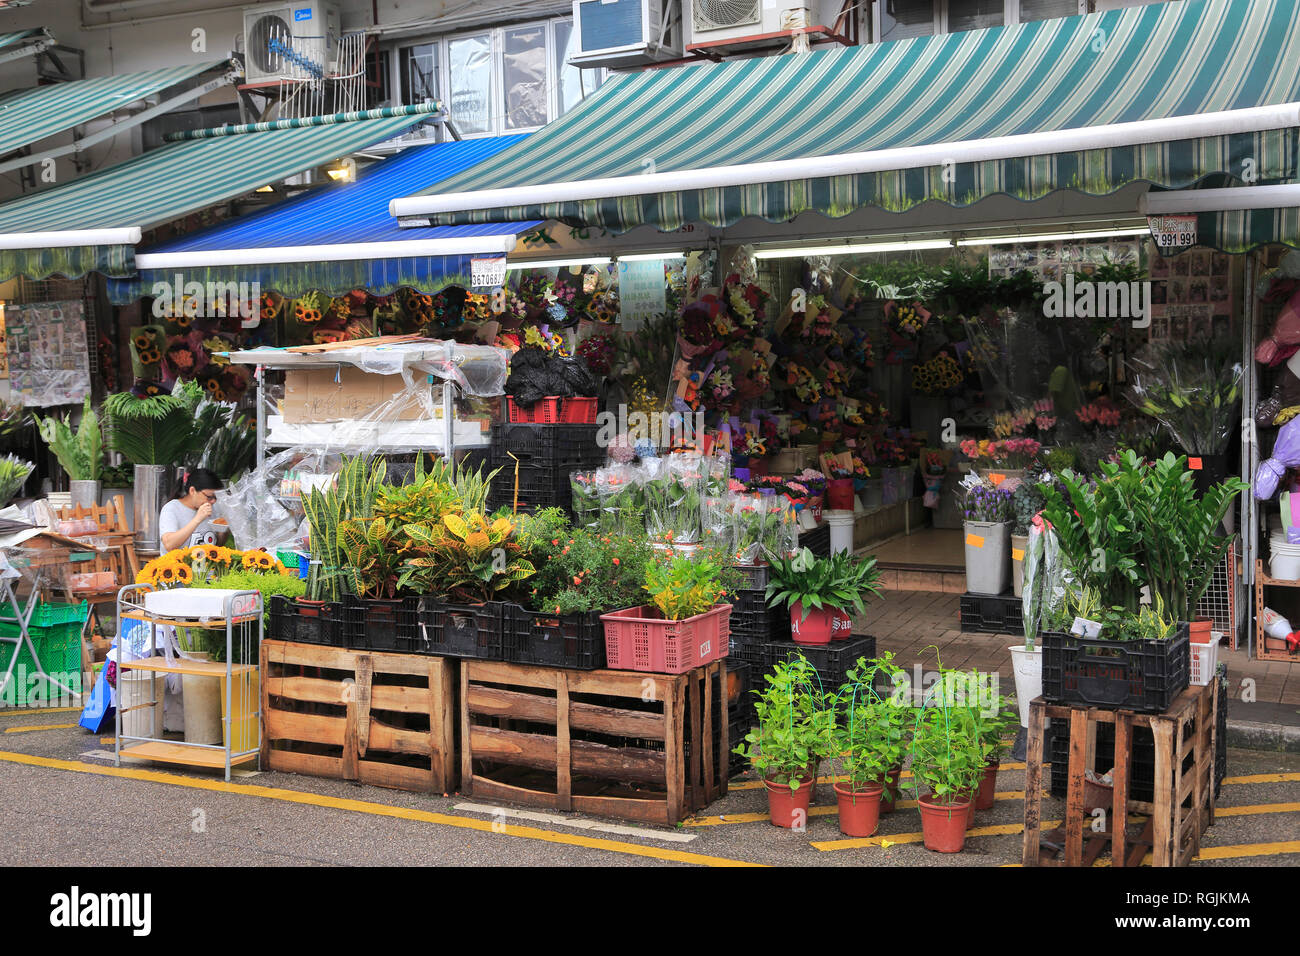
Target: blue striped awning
335,239
163,185
1167,93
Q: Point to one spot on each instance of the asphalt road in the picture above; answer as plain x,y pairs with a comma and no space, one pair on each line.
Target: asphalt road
60,804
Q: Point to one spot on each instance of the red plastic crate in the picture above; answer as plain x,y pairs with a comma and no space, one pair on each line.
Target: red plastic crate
578,411
640,639
545,412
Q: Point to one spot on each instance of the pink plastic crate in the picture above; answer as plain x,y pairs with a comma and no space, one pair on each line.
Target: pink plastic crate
545,412
578,411
640,639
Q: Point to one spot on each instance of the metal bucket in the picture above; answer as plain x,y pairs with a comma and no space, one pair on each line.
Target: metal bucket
150,495
83,494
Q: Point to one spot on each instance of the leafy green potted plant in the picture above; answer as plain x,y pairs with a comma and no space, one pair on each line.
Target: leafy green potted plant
987,530
80,453
868,736
792,737
154,433
13,475
684,619
946,760
1139,525
816,590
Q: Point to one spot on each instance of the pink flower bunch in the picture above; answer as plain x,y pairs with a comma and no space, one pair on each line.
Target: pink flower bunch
1099,413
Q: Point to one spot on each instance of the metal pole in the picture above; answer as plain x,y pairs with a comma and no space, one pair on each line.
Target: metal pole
1250,454
259,373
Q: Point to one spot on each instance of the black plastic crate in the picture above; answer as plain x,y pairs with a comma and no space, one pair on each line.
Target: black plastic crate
1142,766
562,444
1143,676
322,624
461,630
818,541
372,624
575,641
755,576
751,616
1003,614
833,661
742,647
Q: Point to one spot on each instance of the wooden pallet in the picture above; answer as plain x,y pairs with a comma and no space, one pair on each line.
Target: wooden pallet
382,719
644,747
1183,799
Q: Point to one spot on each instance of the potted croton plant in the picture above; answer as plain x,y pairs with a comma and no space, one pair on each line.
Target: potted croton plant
820,591
791,739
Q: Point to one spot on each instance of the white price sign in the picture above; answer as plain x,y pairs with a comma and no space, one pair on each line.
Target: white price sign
1173,232
487,273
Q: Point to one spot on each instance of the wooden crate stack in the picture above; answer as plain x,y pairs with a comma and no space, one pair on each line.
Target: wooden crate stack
644,747
377,718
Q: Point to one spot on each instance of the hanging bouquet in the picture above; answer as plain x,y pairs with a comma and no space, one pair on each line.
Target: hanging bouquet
813,480
747,304
721,387
806,387
939,375
446,308
749,444
859,349
598,352
907,319
836,380
1192,388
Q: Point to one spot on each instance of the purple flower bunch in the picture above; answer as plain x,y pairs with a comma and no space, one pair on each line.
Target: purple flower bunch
986,503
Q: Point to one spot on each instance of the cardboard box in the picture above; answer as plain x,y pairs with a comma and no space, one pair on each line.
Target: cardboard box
314,395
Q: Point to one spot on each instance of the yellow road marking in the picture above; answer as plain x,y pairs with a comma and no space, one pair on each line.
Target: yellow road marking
1263,778
1247,849
726,818
39,710
1257,808
28,729
1001,829
375,809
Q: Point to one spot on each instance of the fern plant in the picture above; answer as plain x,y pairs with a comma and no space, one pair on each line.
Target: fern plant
155,430
80,453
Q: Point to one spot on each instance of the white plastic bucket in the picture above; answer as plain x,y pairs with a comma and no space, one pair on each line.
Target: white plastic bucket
841,523
1027,667
133,691
1284,560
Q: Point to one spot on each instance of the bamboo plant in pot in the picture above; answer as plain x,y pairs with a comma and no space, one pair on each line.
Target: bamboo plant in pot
791,739
818,590
869,736
80,453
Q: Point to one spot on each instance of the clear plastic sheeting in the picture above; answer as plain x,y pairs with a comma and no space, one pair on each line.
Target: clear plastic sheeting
1192,389
1044,579
478,370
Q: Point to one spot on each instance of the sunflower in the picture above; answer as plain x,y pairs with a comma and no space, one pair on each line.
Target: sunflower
220,554
210,552
219,395
322,336
199,553
150,356
183,574
166,574
143,341
151,389
183,320
211,385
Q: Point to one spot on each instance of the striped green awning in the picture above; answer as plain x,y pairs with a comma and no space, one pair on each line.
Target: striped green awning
1100,101
14,46
167,183
29,116
1242,230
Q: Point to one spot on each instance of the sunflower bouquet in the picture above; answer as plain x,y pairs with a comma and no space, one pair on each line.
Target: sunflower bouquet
182,567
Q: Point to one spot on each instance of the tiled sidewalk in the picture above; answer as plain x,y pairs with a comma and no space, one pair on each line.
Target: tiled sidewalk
917,626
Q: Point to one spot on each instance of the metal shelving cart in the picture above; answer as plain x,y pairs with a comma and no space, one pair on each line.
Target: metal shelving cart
241,680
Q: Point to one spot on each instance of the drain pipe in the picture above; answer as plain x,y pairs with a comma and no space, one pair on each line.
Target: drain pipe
100,8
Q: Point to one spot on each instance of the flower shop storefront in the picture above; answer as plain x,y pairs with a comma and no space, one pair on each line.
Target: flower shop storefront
923,266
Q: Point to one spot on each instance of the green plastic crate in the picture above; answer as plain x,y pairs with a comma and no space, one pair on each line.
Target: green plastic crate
59,647
47,615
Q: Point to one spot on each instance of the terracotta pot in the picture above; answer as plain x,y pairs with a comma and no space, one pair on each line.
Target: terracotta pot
988,785
816,629
1201,630
787,807
859,810
890,797
971,795
943,822
308,607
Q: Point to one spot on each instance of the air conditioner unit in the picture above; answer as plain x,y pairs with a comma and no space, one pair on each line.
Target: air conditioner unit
290,40
710,21
625,32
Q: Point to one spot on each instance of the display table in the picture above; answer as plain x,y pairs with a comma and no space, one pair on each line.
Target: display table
240,611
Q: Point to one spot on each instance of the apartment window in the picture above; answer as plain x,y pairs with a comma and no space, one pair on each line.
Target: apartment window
1031,10
524,74
420,73
905,19
469,62
973,14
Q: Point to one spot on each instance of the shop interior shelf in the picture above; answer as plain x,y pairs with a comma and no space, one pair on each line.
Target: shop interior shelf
188,754
159,665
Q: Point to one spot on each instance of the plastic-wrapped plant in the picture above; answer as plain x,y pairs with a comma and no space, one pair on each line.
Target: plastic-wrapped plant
1192,388
13,474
